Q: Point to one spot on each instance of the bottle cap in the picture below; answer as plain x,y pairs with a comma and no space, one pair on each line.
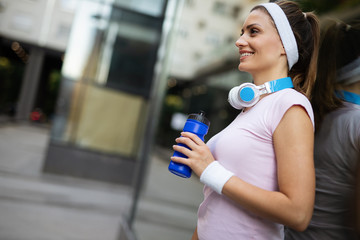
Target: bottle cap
200,117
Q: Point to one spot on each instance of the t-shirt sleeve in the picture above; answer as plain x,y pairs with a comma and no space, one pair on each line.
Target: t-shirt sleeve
285,101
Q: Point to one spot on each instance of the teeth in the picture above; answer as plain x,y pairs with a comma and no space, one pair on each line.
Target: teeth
246,54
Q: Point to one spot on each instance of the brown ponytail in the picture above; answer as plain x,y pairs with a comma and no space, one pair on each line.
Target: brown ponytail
339,46
307,34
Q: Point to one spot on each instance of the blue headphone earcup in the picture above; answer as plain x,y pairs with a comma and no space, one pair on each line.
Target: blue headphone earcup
245,95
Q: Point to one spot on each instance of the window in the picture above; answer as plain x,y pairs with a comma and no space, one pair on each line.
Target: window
190,3
201,24
235,12
219,8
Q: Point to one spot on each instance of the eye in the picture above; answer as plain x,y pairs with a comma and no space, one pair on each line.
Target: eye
254,31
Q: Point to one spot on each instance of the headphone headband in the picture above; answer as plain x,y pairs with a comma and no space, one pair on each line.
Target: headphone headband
248,94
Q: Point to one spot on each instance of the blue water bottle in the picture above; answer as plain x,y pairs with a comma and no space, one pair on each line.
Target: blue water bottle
198,124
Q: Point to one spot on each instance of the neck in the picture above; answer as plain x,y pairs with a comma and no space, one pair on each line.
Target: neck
354,88
261,80
266,76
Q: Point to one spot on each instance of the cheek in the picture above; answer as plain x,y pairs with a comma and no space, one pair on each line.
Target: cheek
273,47
276,44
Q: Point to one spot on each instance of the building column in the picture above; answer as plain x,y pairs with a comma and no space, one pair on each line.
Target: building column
30,84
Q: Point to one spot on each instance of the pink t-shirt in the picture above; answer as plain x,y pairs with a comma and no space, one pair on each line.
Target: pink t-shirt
245,147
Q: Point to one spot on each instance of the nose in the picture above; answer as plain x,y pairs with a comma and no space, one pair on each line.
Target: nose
241,41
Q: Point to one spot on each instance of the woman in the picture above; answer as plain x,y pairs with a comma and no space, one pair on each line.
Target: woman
258,172
336,100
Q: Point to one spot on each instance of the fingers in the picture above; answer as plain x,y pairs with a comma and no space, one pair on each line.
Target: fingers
198,154
184,161
182,149
193,137
190,142
187,142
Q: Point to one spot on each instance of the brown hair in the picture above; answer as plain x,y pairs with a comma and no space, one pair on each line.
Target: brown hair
307,33
339,46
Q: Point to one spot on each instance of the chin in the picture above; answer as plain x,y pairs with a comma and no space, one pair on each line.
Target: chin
242,68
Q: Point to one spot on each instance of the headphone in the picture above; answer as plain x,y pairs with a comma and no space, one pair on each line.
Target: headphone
248,94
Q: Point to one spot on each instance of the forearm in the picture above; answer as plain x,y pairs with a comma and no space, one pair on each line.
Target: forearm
272,205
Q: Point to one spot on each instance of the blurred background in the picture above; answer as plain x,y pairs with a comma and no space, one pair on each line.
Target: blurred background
93,94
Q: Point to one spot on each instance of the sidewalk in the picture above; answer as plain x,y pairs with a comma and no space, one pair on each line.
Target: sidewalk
168,209
38,206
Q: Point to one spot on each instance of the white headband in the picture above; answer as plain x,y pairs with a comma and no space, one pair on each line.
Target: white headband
349,73
284,29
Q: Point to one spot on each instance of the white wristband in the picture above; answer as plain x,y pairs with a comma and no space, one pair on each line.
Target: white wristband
215,176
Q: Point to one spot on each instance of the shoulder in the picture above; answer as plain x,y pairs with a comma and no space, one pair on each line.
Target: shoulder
349,113
291,96
286,98
283,100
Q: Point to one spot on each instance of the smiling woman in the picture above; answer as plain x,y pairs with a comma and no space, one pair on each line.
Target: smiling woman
259,45
259,172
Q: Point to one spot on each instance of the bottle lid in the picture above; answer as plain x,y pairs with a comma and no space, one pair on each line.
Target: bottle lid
200,117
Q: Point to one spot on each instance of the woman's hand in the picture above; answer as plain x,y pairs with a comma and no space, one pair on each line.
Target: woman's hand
199,157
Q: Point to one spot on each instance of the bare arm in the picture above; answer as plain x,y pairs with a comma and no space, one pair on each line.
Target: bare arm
292,205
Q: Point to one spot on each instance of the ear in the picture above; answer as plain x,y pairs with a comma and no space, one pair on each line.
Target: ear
283,51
